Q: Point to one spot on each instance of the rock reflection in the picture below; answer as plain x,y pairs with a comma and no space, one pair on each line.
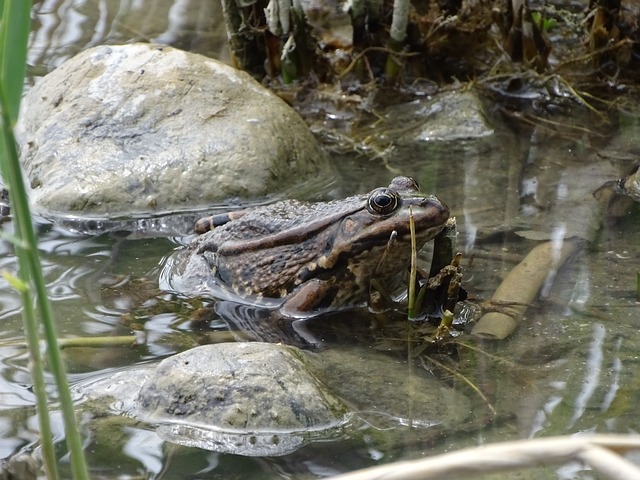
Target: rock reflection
61,29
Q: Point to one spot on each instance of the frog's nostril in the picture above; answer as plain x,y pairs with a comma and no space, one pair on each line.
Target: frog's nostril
430,201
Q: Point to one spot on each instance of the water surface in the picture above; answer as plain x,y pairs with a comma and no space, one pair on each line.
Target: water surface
570,368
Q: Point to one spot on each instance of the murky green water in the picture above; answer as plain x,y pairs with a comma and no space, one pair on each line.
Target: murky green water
572,366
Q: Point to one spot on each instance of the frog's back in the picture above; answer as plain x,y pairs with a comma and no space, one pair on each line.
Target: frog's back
280,217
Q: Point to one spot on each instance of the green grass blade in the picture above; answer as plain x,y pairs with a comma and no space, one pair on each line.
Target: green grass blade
37,374
21,283
14,33
30,263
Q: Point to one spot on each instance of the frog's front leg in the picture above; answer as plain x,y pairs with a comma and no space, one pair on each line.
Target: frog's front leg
308,297
443,290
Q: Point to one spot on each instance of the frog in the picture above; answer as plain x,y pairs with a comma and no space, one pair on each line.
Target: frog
310,257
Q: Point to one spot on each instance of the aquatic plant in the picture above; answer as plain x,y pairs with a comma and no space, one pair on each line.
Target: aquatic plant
14,32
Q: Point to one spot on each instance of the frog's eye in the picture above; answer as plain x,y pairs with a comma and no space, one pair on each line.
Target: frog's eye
383,201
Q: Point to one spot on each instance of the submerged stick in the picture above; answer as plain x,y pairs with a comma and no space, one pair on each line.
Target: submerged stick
99,342
88,342
521,286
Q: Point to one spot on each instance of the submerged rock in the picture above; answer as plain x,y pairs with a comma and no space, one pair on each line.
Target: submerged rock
387,392
255,399
262,399
142,130
445,118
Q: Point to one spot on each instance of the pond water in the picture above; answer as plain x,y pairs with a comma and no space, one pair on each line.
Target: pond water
571,367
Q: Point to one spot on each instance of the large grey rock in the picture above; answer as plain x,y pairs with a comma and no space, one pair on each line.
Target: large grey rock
141,129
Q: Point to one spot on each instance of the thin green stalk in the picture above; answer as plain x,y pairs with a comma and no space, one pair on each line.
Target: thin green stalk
411,295
25,232
36,368
14,31
29,319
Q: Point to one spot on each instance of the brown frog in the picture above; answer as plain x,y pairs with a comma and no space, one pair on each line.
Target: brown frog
309,257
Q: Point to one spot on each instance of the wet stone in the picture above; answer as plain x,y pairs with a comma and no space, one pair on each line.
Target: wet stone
261,399
244,398
444,118
143,130
387,392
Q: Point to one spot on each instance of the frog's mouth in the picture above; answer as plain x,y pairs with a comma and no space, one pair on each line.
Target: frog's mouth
429,218
353,241
400,235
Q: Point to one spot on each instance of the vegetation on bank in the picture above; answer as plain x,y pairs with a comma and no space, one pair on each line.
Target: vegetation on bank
527,56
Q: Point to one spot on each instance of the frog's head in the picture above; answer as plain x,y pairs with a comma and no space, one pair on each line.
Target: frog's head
384,211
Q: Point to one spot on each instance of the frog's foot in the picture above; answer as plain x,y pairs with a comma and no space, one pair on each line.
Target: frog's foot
506,307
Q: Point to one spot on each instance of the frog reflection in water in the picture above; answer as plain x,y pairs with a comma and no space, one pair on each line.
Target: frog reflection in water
318,256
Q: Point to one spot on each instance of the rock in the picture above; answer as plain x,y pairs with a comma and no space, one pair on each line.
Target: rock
446,117
438,123
244,398
264,399
385,391
142,130
448,141
22,465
